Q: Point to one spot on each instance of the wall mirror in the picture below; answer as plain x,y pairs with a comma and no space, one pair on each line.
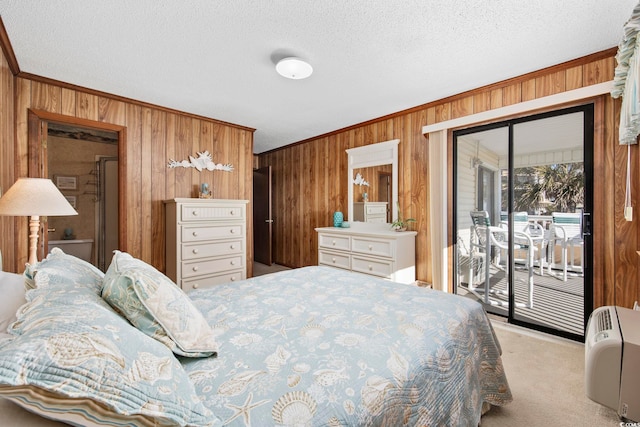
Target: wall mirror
378,165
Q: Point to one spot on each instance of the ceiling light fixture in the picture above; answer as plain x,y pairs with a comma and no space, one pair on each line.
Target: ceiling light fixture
294,68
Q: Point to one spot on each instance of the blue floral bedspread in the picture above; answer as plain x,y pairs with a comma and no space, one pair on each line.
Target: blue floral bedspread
318,346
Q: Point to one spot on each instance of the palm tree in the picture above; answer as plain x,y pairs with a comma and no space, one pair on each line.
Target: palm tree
549,188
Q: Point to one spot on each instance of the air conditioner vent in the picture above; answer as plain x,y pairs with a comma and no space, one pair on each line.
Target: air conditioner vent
603,321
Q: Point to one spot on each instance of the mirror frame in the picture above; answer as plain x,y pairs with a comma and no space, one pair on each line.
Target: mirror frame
381,153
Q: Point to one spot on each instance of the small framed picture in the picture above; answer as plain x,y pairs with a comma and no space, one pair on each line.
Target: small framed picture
67,182
72,201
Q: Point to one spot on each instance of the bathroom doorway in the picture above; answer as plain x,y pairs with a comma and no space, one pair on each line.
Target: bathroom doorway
83,163
81,158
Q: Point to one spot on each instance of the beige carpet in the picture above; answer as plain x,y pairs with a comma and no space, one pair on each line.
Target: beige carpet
546,375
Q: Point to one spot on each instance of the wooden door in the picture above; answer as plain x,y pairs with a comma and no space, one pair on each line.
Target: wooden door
262,216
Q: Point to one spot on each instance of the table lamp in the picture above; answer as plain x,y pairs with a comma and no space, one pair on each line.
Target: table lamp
34,197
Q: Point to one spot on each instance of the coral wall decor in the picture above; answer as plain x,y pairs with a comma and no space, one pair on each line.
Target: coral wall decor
202,162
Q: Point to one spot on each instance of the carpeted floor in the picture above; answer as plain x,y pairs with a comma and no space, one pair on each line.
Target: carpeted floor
546,375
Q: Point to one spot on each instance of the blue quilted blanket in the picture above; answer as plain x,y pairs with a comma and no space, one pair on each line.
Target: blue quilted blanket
318,346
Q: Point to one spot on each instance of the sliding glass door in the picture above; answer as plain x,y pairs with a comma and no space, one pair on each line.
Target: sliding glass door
522,218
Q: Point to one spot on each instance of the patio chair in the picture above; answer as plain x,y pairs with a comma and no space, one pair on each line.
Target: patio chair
521,224
566,231
484,238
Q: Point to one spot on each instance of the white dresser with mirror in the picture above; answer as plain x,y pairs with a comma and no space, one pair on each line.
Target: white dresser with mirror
370,245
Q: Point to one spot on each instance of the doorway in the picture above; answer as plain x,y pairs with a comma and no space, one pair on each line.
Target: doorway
262,216
68,150
522,200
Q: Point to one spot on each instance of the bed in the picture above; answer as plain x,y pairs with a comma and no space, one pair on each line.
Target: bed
314,346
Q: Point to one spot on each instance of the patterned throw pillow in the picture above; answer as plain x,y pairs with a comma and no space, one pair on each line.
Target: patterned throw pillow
157,306
76,271
73,358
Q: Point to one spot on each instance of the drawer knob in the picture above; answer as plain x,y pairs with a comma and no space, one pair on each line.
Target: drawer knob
195,251
195,234
232,231
233,278
194,213
333,260
370,267
233,262
195,268
232,246
232,212
370,247
195,286
333,242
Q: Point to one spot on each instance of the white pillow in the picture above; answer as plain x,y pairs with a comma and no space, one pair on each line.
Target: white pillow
11,298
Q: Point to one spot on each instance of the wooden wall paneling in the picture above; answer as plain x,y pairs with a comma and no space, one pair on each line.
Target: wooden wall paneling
86,106
183,151
461,107
528,90
599,71
46,97
286,218
297,204
7,152
111,111
237,149
550,84
146,186
23,99
423,241
171,154
246,160
309,172
68,102
197,146
626,232
573,78
221,179
482,101
134,196
511,94
159,174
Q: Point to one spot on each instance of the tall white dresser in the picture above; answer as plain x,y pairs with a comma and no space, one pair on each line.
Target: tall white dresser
371,249
206,242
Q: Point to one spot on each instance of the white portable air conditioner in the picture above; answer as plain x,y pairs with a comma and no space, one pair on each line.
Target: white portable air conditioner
612,360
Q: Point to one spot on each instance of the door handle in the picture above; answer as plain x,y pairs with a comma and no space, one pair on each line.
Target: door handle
268,220
586,224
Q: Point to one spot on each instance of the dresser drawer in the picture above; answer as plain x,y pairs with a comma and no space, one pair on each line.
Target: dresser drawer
209,249
199,233
378,267
372,246
209,281
335,242
376,209
208,266
194,212
334,259
377,219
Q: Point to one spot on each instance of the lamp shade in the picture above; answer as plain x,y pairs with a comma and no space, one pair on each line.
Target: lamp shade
34,197
294,68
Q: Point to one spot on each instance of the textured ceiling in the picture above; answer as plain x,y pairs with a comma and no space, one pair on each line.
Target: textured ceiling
370,58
